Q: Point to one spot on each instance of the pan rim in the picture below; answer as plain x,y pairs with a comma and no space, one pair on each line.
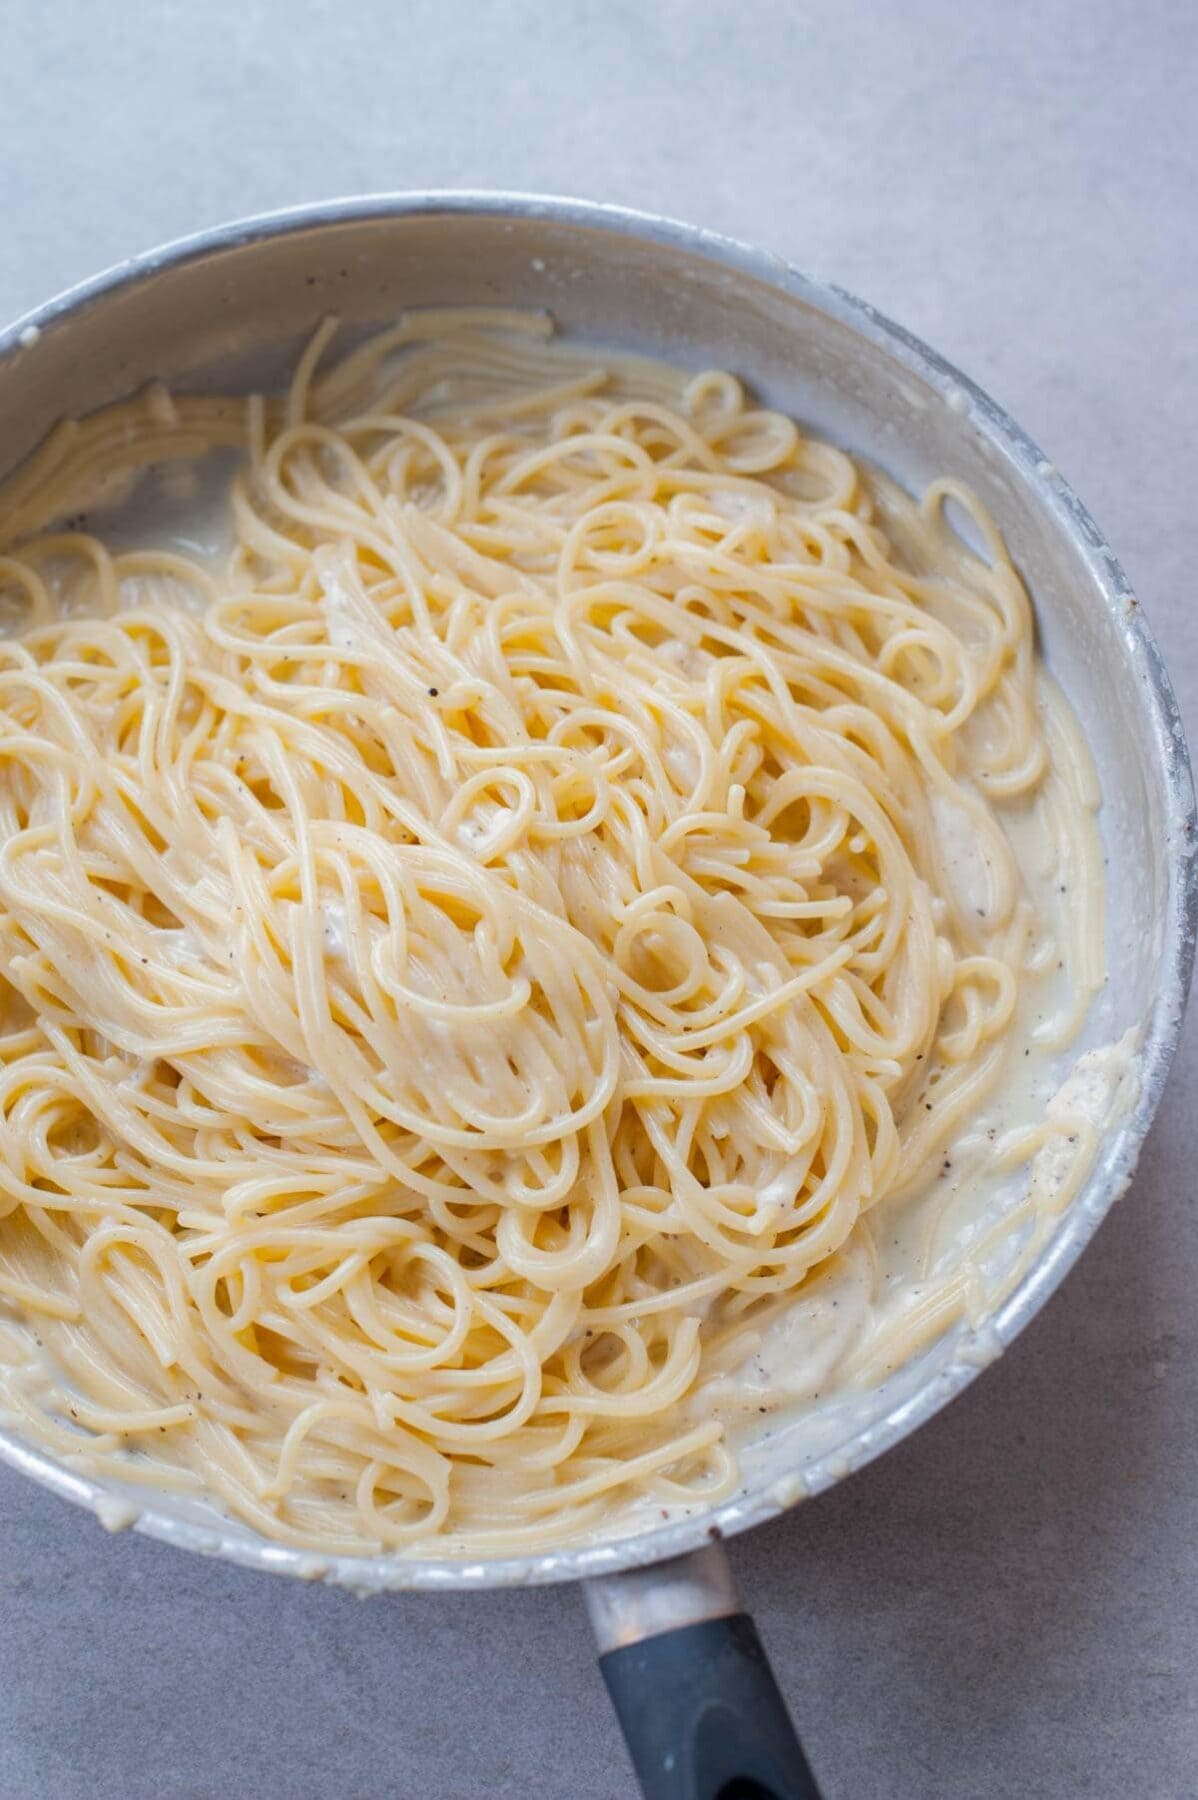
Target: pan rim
1169,761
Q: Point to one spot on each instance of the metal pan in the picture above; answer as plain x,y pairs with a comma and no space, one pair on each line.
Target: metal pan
232,307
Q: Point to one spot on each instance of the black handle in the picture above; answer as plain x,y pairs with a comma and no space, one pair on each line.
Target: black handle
702,1715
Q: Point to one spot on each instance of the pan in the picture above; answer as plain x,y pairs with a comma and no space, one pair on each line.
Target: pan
230,309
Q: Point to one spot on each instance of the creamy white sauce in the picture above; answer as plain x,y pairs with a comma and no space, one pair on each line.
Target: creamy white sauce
181,506
678,654
801,1347
1103,1086
963,856
682,763
334,929
481,827
342,631
737,505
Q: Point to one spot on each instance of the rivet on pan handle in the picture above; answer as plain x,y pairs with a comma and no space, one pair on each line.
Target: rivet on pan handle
695,1696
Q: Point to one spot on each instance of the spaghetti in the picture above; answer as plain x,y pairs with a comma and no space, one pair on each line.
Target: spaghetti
472,953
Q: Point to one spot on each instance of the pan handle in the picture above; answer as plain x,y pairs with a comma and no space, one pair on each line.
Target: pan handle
695,1696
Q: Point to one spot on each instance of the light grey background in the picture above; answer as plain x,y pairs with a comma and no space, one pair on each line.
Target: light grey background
1006,1605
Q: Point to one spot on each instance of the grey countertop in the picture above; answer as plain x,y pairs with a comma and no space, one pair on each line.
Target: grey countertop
1007,1604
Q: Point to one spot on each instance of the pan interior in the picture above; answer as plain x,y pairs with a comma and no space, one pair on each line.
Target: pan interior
234,311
